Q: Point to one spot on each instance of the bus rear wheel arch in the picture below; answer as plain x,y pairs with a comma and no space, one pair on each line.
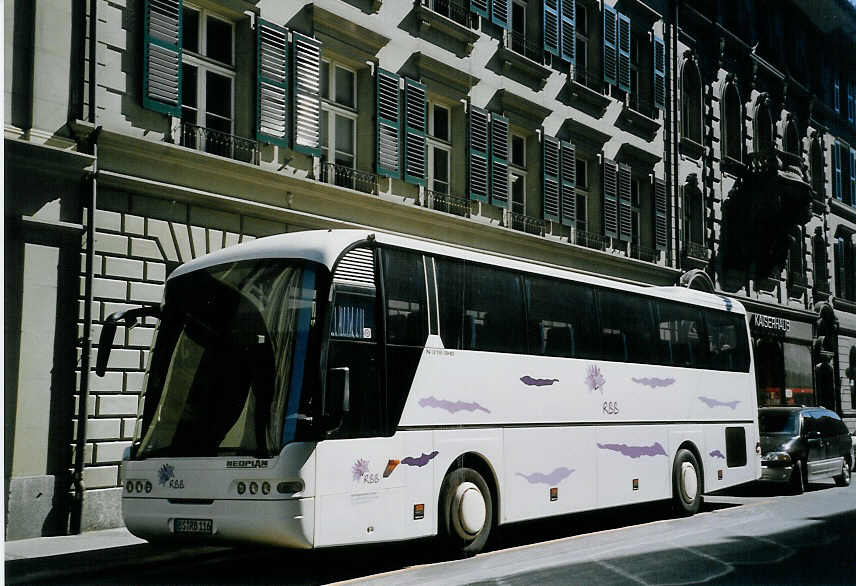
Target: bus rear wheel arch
687,483
466,511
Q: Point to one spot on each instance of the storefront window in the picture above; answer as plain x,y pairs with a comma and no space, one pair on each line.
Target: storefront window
799,389
769,370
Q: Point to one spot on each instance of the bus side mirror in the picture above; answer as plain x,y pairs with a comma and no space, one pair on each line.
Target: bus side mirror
108,331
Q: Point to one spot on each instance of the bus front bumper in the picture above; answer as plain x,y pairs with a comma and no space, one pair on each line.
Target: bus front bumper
284,522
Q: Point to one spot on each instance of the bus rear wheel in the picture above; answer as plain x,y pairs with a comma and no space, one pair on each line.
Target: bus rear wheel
687,484
466,511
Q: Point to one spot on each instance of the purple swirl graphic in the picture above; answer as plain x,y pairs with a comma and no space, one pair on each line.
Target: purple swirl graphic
451,406
717,454
634,452
716,403
419,461
554,477
654,382
537,382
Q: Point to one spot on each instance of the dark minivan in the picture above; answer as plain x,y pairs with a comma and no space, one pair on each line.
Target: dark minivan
804,444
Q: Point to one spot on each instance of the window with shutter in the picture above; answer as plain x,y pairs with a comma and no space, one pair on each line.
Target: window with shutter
272,84
659,73
415,127
550,167
551,26
838,251
851,101
162,56
500,13
660,211
478,153
623,52
306,65
852,201
569,183
836,94
480,7
610,45
625,211
387,125
569,30
837,184
610,198
499,160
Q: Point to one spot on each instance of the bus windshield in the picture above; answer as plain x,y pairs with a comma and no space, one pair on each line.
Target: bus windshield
227,372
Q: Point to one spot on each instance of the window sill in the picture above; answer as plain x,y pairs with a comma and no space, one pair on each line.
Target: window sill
840,208
582,95
732,166
638,123
691,148
535,74
845,304
445,28
695,255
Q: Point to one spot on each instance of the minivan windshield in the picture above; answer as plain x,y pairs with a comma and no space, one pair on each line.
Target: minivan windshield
785,422
228,366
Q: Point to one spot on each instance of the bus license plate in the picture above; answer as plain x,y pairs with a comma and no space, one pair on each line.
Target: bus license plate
193,526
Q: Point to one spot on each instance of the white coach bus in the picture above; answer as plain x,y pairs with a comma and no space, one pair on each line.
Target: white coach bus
338,387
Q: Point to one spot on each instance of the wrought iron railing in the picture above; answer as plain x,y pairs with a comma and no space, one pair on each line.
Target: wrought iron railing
455,10
589,240
450,204
343,176
520,45
524,223
641,252
217,143
696,250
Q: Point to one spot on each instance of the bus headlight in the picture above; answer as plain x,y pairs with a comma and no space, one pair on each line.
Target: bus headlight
242,488
290,487
776,459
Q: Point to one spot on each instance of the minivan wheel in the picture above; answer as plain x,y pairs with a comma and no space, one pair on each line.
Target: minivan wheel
798,478
844,479
687,484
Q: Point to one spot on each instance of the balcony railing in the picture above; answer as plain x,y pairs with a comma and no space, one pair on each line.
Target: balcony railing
518,43
524,223
695,250
450,204
589,240
218,143
645,253
343,176
454,10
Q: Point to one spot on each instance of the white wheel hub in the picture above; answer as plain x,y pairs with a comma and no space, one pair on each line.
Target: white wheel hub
689,482
469,508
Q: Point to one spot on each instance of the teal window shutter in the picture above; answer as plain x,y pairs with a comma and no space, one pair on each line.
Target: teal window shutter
625,209
569,29
415,127
306,67
623,53
659,73
162,56
568,183
480,7
851,101
610,198
550,176
660,217
388,155
853,177
478,153
272,84
836,171
838,251
500,13
610,45
836,94
499,160
551,26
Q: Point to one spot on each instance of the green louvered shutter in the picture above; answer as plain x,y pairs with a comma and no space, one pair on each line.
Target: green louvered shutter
610,198
478,153
625,209
837,184
569,30
610,45
551,26
415,127
499,160
306,65
569,184
272,84
500,13
550,166
838,252
388,139
623,53
660,217
659,73
480,7
852,201
162,56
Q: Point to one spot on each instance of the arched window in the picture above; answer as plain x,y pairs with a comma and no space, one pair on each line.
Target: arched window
816,162
732,123
763,124
694,216
791,141
796,258
691,101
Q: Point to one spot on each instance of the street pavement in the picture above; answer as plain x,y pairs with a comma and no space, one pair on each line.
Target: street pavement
749,535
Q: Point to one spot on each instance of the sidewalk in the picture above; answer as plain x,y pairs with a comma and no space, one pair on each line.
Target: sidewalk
74,557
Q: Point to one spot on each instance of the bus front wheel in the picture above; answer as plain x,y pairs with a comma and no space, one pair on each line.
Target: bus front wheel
686,483
466,511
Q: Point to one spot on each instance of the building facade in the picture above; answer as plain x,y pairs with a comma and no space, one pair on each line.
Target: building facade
666,143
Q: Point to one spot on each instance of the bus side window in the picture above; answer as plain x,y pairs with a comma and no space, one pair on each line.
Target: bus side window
627,327
559,315
726,334
450,298
493,305
681,330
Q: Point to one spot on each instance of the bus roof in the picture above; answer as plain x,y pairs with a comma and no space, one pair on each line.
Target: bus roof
326,246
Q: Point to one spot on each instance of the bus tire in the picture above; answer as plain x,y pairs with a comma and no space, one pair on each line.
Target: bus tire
466,511
687,484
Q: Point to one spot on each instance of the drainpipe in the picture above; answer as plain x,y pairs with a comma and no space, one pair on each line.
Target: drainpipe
675,147
85,360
